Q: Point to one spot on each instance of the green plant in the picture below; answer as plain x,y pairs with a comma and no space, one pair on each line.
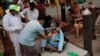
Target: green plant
1,54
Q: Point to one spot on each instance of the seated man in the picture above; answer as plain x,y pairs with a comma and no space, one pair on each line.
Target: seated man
48,21
56,41
75,11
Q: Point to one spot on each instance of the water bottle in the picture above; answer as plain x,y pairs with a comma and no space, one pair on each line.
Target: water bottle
70,53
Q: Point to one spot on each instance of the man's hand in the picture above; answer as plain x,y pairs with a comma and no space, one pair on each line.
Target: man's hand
49,34
26,18
39,37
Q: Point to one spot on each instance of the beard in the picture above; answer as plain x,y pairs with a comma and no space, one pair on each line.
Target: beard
31,9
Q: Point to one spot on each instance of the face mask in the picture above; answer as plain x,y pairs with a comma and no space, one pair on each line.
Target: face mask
53,25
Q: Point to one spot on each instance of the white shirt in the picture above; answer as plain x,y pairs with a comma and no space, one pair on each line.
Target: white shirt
12,23
20,3
32,15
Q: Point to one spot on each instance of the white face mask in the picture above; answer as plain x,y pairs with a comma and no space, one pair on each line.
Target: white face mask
53,25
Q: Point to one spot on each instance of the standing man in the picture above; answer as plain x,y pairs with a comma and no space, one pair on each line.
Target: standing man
13,25
41,8
29,34
91,5
30,13
20,3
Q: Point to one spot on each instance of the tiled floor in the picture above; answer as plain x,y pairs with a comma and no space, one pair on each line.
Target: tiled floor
78,41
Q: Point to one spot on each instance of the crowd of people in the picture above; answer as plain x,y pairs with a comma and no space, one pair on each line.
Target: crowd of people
25,25
27,22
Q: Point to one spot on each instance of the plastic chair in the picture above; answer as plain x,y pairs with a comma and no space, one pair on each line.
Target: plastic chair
78,25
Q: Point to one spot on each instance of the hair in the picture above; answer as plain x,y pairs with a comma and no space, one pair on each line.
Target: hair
41,18
32,4
56,23
48,21
48,18
90,2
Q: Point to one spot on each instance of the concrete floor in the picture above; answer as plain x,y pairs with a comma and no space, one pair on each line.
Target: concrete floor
95,43
77,41
72,38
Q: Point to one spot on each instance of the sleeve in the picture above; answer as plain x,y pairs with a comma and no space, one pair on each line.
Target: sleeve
24,24
7,26
36,14
61,40
19,2
41,30
23,12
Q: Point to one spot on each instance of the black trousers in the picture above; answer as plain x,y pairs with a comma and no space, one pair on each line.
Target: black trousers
29,50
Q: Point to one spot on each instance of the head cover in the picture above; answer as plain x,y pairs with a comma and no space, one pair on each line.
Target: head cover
14,7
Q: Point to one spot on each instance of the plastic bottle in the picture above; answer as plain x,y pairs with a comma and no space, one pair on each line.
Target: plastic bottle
71,53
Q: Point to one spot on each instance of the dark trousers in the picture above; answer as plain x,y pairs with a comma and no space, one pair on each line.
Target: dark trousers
29,50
